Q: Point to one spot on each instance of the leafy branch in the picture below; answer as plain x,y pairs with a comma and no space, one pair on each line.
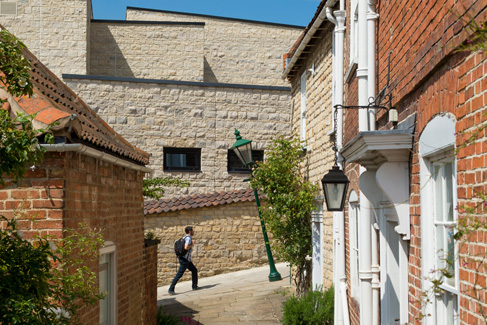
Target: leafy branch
287,209
155,188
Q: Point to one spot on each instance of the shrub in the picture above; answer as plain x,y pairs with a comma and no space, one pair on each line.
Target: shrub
315,307
166,319
44,281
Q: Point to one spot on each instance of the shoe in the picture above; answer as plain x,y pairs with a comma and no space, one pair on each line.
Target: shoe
196,288
172,293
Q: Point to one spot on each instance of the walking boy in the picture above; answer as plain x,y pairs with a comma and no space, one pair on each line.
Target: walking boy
185,262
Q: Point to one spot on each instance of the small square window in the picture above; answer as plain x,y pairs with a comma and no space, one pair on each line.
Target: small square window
234,165
182,159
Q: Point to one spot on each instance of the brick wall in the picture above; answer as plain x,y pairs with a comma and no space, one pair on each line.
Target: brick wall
430,79
236,51
227,238
153,116
151,51
319,121
68,189
150,303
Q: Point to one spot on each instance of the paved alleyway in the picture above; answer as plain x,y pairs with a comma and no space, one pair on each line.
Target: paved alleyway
241,297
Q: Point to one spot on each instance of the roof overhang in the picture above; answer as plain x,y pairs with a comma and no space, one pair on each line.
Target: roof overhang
372,148
304,42
385,155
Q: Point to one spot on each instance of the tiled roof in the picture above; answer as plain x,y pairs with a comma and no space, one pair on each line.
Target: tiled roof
53,101
198,201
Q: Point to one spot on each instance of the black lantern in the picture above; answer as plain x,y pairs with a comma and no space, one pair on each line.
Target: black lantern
243,149
335,185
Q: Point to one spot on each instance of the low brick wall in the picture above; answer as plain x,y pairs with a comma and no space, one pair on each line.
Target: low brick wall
227,238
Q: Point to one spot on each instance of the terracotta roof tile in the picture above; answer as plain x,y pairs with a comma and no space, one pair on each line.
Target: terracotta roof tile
198,201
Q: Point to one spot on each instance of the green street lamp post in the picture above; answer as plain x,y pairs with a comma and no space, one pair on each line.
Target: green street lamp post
243,150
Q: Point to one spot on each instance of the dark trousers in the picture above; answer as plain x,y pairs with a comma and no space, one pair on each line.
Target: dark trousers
183,265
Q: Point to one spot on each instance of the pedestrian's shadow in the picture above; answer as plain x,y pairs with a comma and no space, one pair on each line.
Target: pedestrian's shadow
170,306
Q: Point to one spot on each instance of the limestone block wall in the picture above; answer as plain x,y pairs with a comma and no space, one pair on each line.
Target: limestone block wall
56,31
227,238
319,122
156,115
236,51
172,51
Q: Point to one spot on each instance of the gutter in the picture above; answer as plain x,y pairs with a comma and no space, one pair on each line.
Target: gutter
82,149
312,30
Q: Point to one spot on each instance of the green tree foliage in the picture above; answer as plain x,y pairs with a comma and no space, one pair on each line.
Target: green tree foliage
155,188
19,146
33,290
288,205
15,77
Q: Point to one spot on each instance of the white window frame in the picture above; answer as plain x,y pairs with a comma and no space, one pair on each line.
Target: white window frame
435,152
110,249
354,213
302,116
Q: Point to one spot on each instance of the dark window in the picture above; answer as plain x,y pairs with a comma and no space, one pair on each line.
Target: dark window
235,165
182,159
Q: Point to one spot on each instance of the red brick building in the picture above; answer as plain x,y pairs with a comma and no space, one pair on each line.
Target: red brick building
403,130
91,175
416,173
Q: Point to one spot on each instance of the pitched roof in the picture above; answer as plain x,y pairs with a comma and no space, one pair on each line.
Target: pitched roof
198,201
53,101
303,40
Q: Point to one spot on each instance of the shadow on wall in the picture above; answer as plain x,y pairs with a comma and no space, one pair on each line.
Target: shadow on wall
209,75
106,57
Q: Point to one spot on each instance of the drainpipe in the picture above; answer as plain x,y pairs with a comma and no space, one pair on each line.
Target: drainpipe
365,272
338,18
371,58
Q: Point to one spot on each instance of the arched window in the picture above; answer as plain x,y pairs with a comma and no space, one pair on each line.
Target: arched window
439,217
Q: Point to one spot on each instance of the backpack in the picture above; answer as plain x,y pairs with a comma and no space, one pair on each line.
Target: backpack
179,247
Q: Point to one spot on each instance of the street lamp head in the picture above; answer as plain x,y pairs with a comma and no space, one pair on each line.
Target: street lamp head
243,149
335,185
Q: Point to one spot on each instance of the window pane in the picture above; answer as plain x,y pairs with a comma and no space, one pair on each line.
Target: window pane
105,287
449,191
450,256
450,301
182,159
440,247
438,178
176,160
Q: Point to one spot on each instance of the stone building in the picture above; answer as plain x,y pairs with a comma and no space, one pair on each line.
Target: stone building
408,96
308,67
169,81
174,84
82,179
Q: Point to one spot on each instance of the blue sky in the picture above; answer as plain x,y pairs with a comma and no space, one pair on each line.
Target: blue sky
293,12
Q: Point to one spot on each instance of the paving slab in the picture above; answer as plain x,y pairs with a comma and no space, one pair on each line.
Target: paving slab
240,297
